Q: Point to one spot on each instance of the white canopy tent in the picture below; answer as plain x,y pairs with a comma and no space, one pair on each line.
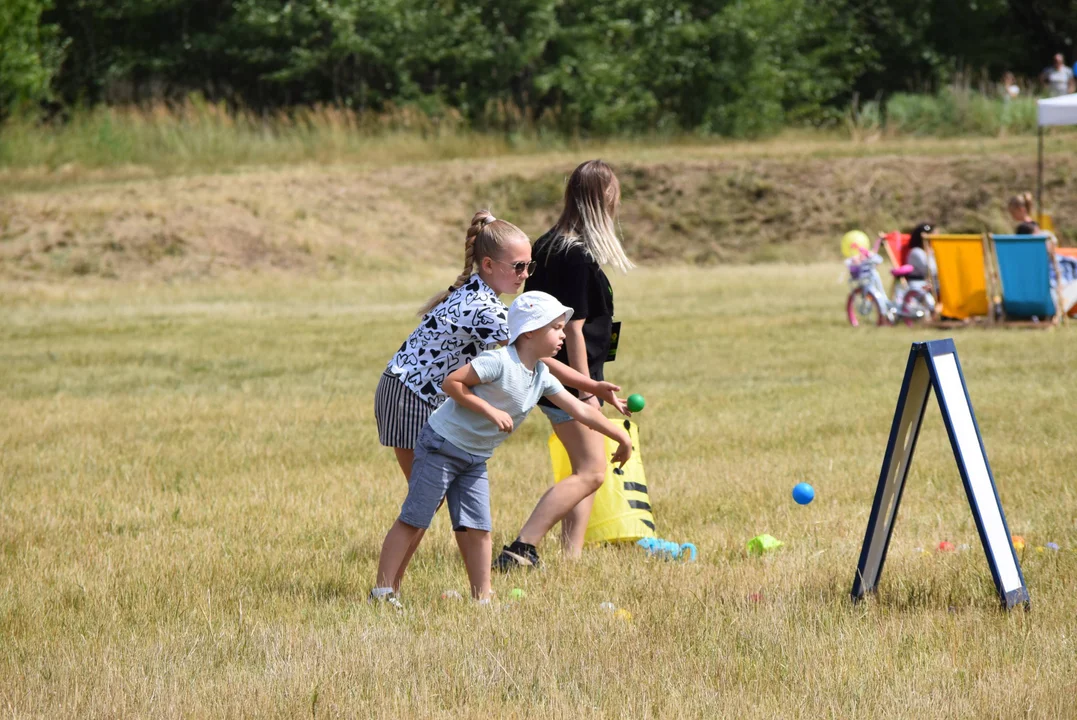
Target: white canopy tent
1061,110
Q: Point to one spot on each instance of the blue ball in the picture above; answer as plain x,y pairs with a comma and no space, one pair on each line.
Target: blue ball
803,493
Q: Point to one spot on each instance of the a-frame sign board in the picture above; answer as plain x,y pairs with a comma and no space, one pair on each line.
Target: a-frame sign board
934,365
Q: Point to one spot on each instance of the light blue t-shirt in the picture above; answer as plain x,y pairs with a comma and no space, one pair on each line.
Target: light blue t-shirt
507,385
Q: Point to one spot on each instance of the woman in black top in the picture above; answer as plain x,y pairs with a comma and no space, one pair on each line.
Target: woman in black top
570,258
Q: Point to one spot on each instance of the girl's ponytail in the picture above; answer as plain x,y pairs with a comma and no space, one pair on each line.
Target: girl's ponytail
475,236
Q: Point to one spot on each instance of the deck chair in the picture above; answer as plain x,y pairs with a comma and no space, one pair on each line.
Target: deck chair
1024,274
964,282
896,246
1070,253
1024,267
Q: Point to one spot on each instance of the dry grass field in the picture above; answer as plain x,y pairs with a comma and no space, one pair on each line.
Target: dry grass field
192,498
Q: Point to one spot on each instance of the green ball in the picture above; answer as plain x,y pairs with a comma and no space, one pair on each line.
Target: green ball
636,402
517,594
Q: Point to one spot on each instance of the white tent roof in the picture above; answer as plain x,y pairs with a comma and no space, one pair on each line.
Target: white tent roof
1061,110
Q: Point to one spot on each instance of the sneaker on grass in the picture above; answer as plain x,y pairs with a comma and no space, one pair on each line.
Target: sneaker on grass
379,595
517,555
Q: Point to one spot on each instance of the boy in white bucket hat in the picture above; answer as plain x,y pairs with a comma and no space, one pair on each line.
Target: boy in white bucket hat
488,398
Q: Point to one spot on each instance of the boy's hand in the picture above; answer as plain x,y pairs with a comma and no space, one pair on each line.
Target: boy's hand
608,392
624,451
500,418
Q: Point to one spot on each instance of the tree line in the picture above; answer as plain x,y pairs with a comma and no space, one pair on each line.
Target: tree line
729,67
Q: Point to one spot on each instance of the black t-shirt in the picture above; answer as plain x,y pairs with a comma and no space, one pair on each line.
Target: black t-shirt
573,277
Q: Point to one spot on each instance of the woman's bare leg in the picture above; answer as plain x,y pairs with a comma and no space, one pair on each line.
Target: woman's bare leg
587,452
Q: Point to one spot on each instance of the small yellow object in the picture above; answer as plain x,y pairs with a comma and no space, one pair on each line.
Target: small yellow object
1040,548
1018,542
854,242
623,615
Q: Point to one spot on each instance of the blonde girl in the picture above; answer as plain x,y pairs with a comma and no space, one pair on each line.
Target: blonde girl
570,257
456,325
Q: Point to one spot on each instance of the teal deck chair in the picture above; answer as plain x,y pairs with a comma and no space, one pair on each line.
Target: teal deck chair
1024,266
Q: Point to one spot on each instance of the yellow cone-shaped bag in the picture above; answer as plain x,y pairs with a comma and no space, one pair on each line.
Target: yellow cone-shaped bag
622,509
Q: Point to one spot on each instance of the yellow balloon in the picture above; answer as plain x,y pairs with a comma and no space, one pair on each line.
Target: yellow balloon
853,242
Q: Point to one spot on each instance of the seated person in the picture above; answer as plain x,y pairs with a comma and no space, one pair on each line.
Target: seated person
1020,207
920,263
917,257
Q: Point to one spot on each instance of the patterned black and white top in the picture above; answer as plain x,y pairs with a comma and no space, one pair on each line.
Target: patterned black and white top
470,320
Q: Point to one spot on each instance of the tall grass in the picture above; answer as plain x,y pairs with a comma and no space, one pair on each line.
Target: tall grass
955,111
192,498
199,134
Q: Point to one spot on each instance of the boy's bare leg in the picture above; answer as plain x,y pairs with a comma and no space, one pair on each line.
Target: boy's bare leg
396,551
477,549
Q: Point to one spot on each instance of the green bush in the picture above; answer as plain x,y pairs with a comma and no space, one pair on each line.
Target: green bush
957,111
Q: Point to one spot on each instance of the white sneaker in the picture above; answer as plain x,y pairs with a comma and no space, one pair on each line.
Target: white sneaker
388,598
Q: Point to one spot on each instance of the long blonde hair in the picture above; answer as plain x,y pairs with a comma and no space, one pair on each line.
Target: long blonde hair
591,199
485,238
1021,201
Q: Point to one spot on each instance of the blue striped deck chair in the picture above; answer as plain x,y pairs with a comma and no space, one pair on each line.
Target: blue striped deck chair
1026,264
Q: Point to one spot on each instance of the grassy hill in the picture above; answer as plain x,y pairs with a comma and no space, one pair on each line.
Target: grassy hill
786,200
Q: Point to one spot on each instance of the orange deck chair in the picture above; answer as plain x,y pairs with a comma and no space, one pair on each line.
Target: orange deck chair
964,285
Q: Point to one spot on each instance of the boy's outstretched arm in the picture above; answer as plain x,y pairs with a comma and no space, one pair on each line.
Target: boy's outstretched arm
594,419
575,379
458,386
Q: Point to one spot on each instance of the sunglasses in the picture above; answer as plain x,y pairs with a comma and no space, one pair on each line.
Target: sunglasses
519,267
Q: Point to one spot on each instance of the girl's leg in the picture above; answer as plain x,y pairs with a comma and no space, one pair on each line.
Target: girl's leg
396,551
477,551
406,457
587,452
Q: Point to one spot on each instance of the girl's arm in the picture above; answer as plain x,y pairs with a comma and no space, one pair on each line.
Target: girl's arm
458,386
602,389
592,418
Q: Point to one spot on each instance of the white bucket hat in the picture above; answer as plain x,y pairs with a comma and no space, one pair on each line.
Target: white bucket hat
533,310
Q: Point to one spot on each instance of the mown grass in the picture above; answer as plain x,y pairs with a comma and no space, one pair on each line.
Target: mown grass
192,498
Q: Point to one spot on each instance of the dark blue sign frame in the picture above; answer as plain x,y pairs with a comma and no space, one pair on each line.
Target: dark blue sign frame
934,365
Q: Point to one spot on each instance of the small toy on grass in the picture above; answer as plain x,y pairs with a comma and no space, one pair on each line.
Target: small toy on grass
668,549
1018,543
517,594
763,543
803,493
945,546
451,595
1052,546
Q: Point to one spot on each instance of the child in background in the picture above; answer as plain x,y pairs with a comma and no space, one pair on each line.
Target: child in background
488,398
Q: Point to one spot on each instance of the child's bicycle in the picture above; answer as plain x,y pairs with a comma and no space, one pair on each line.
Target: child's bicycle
868,302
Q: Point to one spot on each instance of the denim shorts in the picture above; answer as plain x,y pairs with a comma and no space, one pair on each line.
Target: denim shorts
556,415
443,471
